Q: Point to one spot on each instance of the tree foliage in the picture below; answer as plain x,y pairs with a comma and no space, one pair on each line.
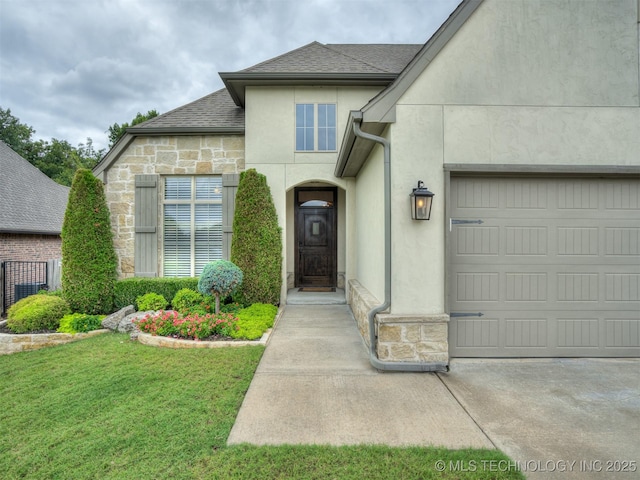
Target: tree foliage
220,278
57,159
116,131
256,246
88,257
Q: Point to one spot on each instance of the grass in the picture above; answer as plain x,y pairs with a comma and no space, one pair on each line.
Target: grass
106,407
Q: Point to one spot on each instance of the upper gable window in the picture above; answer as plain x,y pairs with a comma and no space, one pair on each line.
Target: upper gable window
316,127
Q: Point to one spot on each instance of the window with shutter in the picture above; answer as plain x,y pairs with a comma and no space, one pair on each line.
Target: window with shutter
192,224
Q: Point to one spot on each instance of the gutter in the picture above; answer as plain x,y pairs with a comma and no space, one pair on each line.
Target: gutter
373,339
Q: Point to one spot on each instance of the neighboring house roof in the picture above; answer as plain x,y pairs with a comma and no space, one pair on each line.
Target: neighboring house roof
30,202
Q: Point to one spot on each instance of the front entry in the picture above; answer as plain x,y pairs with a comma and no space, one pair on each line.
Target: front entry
315,211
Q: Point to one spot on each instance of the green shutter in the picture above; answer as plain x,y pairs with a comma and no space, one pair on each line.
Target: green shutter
229,188
146,226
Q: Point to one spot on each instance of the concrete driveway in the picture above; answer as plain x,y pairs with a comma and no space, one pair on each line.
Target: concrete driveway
558,418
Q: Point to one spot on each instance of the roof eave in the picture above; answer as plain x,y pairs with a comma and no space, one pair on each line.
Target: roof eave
155,131
133,132
112,155
26,231
354,150
236,82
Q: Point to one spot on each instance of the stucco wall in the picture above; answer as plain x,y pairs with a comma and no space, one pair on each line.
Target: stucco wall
270,149
163,155
522,83
369,220
538,52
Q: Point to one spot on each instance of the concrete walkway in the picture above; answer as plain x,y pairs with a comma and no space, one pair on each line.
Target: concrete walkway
315,385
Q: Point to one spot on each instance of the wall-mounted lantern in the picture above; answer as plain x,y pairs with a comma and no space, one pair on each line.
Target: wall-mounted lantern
421,199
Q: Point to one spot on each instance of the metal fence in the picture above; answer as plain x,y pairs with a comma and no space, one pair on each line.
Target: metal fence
20,279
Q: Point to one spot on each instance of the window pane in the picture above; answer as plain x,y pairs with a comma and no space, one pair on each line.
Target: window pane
177,188
208,235
177,240
326,126
331,115
208,188
304,126
331,139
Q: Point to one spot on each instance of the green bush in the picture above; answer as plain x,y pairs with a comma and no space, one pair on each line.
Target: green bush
253,321
80,323
256,246
186,299
129,289
221,278
36,312
89,259
151,301
55,293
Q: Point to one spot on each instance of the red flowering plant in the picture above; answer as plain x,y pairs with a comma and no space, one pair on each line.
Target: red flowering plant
191,326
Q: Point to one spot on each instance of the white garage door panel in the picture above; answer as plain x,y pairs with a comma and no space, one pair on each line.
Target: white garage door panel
554,268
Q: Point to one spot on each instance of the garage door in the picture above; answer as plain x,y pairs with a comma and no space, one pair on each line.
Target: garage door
553,270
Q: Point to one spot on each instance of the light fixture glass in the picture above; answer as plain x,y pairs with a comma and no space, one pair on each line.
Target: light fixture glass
421,200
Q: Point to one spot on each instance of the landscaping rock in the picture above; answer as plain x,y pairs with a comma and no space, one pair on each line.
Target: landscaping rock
126,325
112,321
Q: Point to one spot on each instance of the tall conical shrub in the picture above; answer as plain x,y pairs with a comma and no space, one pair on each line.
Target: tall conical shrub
256,246
89,260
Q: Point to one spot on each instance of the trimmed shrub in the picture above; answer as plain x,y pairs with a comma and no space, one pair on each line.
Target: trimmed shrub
36,312
151,301
256,245
253,321
80,323
186,300
127,290
221,278
89,260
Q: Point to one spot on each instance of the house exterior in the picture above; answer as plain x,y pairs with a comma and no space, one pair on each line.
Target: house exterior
523,118
32,208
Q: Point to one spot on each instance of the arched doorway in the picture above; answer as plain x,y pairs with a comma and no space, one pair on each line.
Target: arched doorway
315,236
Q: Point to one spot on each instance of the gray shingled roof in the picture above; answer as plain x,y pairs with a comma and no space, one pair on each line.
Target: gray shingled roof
340,58
30,202
218,110
214,111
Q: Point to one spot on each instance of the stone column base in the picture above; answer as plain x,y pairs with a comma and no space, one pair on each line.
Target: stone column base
401,338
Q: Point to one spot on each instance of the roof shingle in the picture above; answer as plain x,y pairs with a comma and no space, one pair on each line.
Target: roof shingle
31,201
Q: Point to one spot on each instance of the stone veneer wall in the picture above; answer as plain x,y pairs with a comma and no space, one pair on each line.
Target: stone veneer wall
401,338
162,155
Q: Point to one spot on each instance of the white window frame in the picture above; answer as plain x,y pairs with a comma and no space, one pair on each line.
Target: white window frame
192,202
316,127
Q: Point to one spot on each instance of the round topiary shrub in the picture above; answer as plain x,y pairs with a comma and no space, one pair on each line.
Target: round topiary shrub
151,301
37,312
220,278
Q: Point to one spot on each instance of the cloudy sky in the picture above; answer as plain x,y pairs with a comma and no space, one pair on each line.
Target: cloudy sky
72,68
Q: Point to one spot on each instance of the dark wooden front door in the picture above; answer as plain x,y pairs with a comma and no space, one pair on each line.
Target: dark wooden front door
315,238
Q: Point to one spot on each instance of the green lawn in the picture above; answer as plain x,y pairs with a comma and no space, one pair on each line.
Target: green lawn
106,407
